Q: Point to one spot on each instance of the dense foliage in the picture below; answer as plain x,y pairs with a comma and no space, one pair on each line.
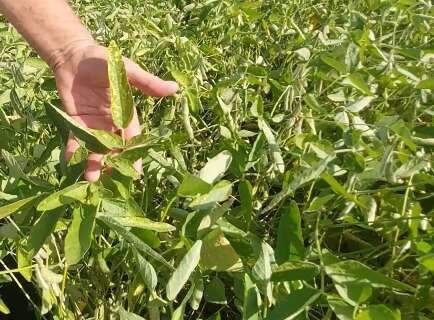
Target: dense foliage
290,179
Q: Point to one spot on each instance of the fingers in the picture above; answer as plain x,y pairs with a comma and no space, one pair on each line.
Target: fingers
93,168
131,131
71,146
94,161
148,83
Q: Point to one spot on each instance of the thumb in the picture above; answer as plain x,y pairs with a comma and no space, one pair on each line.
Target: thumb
147,82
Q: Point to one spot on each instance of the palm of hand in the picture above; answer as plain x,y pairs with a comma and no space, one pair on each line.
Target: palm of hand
83,86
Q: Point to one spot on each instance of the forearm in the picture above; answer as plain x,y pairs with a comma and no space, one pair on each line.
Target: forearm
50,26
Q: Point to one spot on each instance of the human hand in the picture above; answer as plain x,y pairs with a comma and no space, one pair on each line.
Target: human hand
83,85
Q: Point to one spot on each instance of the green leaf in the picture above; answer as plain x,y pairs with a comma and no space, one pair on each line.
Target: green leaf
120,91
197,295
400,128
354,293
43,228
290,243
147,272
98,141
272,145
300,179
246,199
318,203
427,261
4,308
80,233
338,188
425,84
215,292
261,271
216,167
17,206
217,254
181,78
141,246
295,270
378,312
356,81
125,315
251,301
220,192
361,104
75,192
342,310
123,165
141,223
335,64
181,275
354,271
294,303
192,186
24,261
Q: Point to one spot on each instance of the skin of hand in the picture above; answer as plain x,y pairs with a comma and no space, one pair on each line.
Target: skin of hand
83,86
80,68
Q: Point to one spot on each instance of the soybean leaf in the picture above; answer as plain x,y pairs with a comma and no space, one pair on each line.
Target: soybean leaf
290,244
215,291
4,308
246,199
425,84
361,104
75,192
294,303
123,165
342,310
354,293
294,270
141,223
220,192
378,312
216,167
274,148
192,185
301,178
17,206
182,273
98,141
147,272
335,64
120,91
80,233
217,254
354,271
197,295
357,82
261,271
427,261
24,261
252,300
125,315
43,228
141,246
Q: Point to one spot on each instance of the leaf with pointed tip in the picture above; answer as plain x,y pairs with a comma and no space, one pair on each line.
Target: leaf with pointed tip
186,267
17,206
80,233
68,195
120,91
98,141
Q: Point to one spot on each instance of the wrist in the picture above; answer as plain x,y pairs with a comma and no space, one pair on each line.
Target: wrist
63,54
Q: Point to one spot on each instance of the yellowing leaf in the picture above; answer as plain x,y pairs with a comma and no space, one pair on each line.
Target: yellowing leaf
120,91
